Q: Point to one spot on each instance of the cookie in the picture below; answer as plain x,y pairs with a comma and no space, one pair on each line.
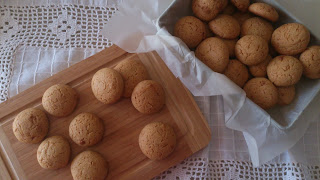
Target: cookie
290,39
157,140
148,97
229,10
286,95
242,5
89,165
242,17
53,153
190,30
262,92
206,10
30,126
132,72
214,53
237,72
310,60
59,100
284,70
257,26
231,43
107,85
264,10
86,129
251,49
260,70
225,26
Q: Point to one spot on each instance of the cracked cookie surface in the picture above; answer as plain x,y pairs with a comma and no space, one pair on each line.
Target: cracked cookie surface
310,60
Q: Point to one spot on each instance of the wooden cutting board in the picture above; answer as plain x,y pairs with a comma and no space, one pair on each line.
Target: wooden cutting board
123,122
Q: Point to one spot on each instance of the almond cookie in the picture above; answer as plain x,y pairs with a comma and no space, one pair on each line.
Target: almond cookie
107,85
242,17
59,100
190,30
213,52
251,50
53,153
237,72
286,95
30,126
225,26
132,72
257,26
206,10
290,39
89,165
310,60
242,5
264,10
262,92
86,129
260,70
157,140
231,43
148,97
284,70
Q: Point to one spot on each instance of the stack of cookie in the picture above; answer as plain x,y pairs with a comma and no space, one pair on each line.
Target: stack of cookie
238,39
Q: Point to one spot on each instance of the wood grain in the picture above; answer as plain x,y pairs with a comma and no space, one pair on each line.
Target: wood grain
122,121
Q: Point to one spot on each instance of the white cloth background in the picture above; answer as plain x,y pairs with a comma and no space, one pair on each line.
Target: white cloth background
40,38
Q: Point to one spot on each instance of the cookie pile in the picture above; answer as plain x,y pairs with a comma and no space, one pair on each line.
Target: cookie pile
238,39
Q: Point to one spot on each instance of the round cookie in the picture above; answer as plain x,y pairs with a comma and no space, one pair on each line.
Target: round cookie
231,43
214,53
290,39
206,10
86,129
310,60
242,17
225,26
286,95
264,10
148,97
262,92
190,30
132,72
59,100
284,70
89,165
157,140
107,85
237,72
257,26
260,70
251,49
242,5
30,126
229,10
53,153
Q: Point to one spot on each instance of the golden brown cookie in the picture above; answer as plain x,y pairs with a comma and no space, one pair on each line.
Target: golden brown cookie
30,126
290,39
214,53
190,30
242,17
53,153
107,85
260,70
237,72
257,26
132,72
148,97
264,10
86,129
229,10
251,50
225,26
242,5
262,92
157,140
89,165
286,95
310,60
284,70
206,10
59,100
231,43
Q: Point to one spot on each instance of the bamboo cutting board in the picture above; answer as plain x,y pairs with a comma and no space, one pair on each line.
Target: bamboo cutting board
122,122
